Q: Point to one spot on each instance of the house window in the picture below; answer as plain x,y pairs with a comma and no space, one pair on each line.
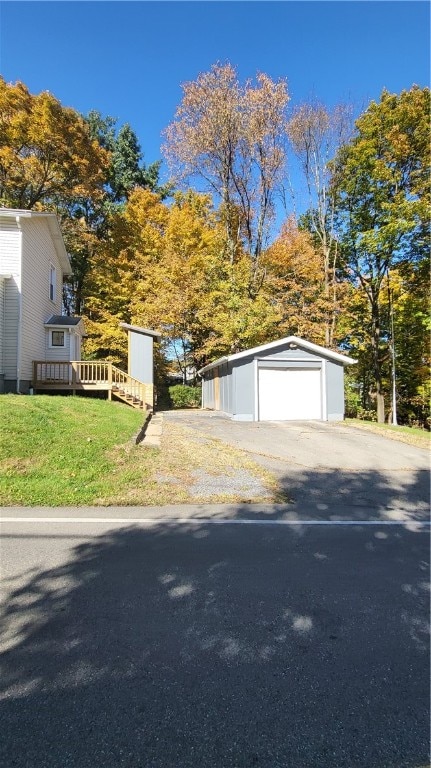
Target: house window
52,282
57,338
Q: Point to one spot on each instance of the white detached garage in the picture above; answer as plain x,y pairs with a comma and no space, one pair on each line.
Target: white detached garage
286,380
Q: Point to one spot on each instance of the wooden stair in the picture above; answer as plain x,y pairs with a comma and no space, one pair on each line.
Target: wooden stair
128,398
131,391
78,375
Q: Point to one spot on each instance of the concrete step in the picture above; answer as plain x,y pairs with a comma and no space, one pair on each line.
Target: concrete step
153,432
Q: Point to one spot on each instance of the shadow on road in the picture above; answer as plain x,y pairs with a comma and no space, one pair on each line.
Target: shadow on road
357,495
199,644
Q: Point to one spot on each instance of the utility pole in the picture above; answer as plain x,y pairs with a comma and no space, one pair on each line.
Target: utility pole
392,351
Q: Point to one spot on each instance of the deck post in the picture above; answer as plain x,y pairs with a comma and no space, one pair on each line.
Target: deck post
109,380
73,377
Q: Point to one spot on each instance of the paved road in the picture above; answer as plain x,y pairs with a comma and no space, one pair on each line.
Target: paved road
328,467
199,642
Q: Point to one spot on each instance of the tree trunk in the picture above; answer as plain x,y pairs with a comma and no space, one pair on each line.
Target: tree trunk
380,408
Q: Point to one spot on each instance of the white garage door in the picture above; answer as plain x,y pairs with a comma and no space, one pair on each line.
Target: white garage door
289,394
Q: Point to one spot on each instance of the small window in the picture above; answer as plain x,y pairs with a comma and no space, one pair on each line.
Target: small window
57,338
52,284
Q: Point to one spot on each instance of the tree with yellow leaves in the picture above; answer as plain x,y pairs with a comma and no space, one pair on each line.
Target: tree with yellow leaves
46,153
165,267
296,283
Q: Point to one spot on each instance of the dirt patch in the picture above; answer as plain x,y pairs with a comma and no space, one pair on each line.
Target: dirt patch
189,466
19,466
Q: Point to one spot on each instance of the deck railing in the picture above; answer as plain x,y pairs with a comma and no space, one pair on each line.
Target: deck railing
132,387
97,374
73,372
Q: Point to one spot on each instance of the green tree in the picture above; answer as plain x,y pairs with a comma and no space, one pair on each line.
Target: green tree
383,181
87,221
127,169
405,304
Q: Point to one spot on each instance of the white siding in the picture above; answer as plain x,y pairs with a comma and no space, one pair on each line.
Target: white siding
10,264
38,256
57,353
10,239
2,293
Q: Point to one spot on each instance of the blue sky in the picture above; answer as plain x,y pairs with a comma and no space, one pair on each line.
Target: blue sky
128,59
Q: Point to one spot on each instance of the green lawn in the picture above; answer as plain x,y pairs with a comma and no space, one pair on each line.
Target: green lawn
56,450
62,451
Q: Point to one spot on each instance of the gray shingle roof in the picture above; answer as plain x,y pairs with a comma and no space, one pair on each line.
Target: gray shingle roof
63,320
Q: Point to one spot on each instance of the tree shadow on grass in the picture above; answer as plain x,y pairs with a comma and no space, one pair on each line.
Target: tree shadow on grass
174,645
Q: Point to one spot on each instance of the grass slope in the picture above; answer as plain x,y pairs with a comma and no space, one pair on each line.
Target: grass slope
411,435
62,451
55,450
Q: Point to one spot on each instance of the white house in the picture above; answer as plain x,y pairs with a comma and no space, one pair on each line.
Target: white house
33,264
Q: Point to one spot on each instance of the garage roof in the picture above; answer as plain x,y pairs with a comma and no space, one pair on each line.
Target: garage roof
294,340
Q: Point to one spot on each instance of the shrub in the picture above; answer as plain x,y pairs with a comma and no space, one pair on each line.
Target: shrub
183,396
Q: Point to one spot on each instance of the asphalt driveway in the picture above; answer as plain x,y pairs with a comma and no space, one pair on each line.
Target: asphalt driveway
327,466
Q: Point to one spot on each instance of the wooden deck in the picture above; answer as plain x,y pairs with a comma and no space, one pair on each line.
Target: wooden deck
82,375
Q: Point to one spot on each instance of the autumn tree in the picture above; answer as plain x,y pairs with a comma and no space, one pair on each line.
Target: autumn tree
154,272
295,283
176,287
383,182
120,268
87,220
316,134
231,136
46,152
81,168
164,267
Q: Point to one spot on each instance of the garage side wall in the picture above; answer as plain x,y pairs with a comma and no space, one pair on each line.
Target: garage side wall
208,399
243,405
225,387
334,391
217,386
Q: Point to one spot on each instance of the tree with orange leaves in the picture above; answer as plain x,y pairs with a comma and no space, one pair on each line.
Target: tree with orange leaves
231,136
